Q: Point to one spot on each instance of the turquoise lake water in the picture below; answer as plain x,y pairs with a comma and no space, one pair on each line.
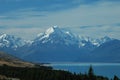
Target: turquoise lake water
103,69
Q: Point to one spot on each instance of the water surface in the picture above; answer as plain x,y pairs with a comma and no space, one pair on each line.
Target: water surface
103,69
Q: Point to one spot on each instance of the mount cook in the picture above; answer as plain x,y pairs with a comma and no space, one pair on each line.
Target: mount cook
59,45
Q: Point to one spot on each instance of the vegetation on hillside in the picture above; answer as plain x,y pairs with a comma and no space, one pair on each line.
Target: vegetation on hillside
13,61
46,73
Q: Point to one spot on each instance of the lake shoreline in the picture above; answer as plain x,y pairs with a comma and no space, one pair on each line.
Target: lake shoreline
103,69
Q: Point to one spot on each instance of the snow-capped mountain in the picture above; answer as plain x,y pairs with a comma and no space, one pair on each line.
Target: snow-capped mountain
83,40
10,41
55,35
55,44
104,40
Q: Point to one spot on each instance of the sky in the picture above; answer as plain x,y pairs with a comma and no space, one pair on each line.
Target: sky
93,18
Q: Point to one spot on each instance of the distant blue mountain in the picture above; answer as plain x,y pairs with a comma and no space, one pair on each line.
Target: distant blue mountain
58,45
106,52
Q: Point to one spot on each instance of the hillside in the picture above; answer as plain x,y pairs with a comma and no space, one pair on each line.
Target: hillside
6,59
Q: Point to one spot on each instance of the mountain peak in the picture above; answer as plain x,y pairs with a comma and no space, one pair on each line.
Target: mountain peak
50,30
10,41
57,35
3,36
54,29
106,37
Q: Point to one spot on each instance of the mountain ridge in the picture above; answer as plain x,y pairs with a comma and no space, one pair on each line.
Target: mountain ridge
14,42
109,51
56,44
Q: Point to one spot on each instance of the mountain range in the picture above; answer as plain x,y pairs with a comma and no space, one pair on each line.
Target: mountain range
59,45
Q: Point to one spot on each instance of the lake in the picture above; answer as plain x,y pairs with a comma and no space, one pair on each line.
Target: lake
103,69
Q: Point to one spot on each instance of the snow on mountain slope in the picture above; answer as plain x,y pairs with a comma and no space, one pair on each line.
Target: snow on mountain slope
58,36
54,44
11,41
83,40
55,35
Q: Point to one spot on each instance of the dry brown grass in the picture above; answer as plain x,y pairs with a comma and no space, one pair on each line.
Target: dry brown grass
17,64
6,59
3,77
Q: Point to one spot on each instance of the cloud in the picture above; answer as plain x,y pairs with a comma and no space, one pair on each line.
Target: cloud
41,14
98,31
38,5
101,12
91,31
25,33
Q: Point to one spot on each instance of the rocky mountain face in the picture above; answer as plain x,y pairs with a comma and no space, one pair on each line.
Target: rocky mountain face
57,45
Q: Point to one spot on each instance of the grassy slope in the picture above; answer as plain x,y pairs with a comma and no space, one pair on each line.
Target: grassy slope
6,59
